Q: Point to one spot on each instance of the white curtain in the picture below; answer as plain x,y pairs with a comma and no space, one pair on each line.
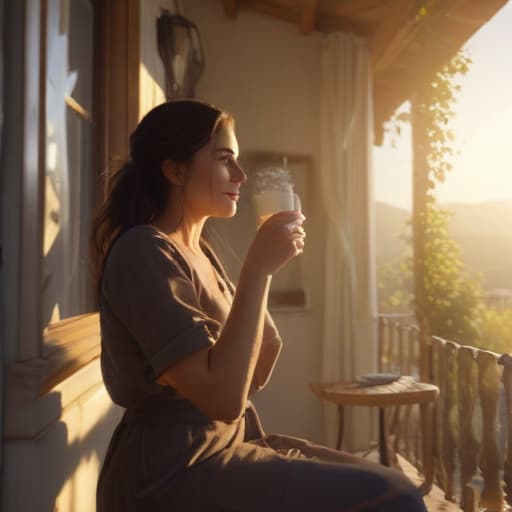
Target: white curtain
349,338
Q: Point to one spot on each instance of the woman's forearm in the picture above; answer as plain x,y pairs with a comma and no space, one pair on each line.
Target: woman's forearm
235,355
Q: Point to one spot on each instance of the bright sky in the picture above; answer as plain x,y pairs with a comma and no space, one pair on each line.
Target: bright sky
482,169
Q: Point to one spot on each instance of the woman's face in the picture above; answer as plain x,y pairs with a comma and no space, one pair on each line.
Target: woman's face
213,178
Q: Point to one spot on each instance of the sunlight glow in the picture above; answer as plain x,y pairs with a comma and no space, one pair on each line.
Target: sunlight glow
482,126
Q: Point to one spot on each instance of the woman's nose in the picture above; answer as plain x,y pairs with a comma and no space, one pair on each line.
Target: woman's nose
238,175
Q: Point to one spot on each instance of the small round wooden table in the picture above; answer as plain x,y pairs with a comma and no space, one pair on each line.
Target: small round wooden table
403,391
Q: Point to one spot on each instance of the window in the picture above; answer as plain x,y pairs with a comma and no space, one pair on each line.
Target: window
75,102
69,182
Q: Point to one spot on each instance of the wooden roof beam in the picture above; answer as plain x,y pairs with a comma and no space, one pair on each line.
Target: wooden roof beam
476,11
326,23
230,8
307,23
393,33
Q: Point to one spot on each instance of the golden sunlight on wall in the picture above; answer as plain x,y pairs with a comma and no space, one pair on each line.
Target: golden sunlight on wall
151,71
150,93
77,493
60,463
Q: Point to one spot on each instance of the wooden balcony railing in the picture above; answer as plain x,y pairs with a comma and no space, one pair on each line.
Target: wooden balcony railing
473,419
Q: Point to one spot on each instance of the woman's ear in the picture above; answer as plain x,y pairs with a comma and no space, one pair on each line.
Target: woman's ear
173,172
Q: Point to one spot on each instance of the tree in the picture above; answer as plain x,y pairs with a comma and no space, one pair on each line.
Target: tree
446,298
453,297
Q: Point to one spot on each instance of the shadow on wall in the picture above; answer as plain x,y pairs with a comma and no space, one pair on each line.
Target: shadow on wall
57,470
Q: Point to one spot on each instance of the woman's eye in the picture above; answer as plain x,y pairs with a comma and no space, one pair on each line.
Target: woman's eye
228,160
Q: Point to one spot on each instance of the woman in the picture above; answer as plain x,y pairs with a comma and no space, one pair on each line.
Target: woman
183,352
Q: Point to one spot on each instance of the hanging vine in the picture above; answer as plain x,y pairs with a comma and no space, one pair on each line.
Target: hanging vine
444,294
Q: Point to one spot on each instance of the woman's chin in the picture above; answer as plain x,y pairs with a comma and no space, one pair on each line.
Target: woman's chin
228,212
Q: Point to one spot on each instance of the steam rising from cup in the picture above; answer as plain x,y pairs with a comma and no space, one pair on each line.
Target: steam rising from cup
274,192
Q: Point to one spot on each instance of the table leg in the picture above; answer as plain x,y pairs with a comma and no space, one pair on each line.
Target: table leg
427,441
383,438
340,427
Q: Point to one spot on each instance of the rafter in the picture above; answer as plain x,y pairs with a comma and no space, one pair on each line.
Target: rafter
326,23
307,23
393,30
475,10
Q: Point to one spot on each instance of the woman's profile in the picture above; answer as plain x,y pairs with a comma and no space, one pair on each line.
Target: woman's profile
183,350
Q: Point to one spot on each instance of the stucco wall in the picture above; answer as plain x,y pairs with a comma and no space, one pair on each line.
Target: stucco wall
266,73
57,468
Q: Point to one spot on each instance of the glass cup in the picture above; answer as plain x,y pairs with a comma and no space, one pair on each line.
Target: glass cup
276,199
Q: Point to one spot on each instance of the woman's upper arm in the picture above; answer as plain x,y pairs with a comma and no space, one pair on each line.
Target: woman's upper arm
155,299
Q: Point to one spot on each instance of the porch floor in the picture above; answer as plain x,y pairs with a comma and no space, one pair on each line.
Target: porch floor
434,500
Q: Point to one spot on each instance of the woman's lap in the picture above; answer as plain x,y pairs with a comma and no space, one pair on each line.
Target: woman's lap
249,477
272,472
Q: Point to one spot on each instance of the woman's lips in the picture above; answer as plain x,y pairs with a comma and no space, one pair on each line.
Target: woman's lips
233,196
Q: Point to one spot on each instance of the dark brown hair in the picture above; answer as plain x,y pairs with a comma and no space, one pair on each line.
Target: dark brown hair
138,192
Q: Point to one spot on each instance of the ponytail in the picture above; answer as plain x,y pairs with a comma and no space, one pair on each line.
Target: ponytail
130,201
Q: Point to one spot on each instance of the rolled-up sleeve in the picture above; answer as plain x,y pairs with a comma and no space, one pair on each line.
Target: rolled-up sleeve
153,296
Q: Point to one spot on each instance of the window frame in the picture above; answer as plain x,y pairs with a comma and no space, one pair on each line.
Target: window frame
66,346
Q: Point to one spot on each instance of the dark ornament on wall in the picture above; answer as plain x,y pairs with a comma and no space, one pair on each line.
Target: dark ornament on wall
181,51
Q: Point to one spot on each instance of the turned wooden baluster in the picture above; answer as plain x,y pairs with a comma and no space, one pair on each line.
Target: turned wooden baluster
397,419
439,377
468,444
408,419
383,344
397,349
506,361
391,335
393,347
451,416
408,334
401,348
490,461
415,349
385,335
415,366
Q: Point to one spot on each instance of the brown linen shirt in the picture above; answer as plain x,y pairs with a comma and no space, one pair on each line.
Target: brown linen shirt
154,311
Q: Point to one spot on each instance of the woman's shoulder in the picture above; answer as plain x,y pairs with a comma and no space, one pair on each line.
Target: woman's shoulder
143,237
143,241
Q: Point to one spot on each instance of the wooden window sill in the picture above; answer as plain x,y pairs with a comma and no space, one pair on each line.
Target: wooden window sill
68,346
38,390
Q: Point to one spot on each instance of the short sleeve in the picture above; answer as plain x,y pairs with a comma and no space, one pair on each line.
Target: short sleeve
150,292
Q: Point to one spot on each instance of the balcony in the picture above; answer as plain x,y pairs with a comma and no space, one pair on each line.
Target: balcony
473,417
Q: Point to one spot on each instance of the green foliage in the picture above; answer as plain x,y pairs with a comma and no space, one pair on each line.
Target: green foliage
395,284
453,295
456,307
436,99
495,330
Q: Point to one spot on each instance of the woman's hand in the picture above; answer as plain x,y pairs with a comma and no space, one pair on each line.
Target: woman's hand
279,239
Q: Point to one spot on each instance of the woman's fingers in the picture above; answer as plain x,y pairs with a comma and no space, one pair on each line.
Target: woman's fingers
279,239
299,245
286,219
299,230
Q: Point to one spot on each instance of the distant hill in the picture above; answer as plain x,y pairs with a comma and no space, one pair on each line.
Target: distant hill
483,230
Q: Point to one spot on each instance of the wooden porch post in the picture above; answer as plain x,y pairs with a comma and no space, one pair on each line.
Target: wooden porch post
117,108
419,212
